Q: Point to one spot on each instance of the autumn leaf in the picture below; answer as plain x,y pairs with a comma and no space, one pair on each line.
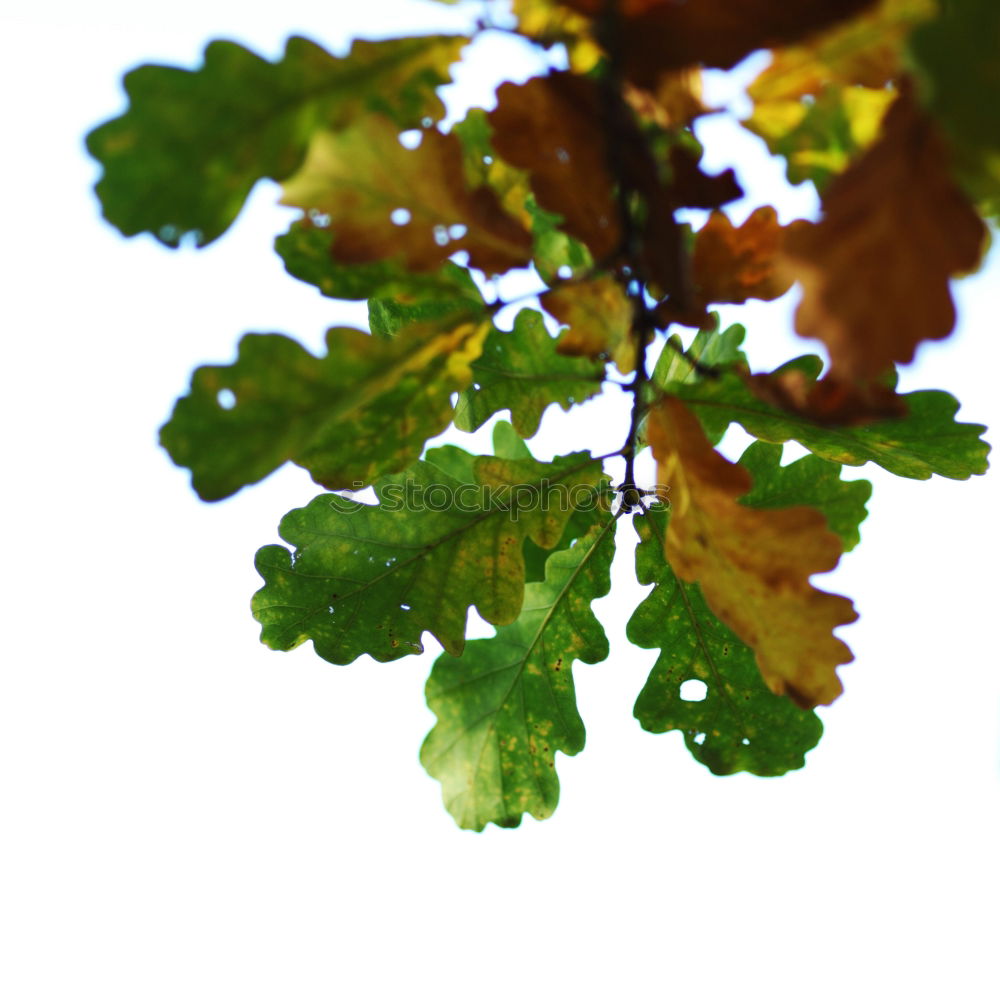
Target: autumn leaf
385,201
927,441
866,51
736,263
739,724
753,566
546,126
521,371
657,36
364,409
875,270
193,143
371,579
819,137
508,704
598,317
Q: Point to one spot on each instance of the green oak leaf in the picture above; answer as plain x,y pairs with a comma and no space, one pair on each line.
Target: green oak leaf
927,441
507,704
305,250
185,155
364,409
521,371
740,724
811,481
372,579
710,347
557,255
507,443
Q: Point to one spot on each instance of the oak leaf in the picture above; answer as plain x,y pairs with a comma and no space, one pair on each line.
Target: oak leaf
735,263
193,143
363,410
385,201
550,126
445,536
508,704
657,36
875,270
753,566
927,441
598,315
521,371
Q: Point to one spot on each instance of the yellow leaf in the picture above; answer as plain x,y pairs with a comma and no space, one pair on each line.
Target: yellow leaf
753,566
599,316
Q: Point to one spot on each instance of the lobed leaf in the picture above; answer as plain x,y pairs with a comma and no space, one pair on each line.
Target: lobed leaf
385,201
927,441
371,579
184,156
875,270
657,36
364,409
507,704
523,372
753,566
740,724
306,252
598,318
955,57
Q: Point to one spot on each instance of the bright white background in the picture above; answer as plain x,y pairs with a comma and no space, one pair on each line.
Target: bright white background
187,814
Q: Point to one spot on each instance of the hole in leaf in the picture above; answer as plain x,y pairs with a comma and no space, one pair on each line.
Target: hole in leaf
694,690
400,216
441,237
426,121
561,155
745,742
319,219
404,607
487,159
226,398
565,272
699,739
457,231
410,139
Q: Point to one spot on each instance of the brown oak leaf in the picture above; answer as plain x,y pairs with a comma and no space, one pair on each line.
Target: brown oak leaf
753,566
656,36
875,270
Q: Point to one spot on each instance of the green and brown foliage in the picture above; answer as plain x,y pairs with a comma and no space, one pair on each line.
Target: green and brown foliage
888,106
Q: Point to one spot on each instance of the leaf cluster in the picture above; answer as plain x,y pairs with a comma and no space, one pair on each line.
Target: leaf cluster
577,178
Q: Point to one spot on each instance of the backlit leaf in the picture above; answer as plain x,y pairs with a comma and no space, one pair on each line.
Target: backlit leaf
373,579
508,704
740,724
306,250
193,143
364,409
753,566
521,371
598,315
661,35
927,441
959,72
875,270
385,201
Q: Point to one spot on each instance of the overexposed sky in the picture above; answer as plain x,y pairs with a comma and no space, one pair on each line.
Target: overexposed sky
188,814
